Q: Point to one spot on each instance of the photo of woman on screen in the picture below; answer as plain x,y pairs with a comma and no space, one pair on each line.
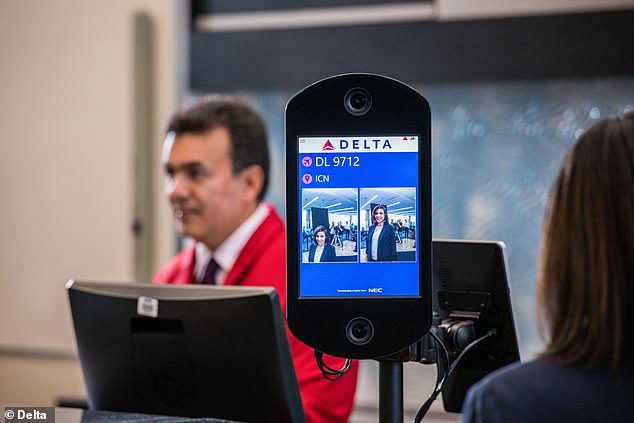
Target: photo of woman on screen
321,251
381,242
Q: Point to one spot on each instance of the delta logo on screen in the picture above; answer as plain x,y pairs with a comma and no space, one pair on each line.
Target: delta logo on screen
328,146
359,144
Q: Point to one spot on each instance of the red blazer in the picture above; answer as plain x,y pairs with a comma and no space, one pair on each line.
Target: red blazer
262,262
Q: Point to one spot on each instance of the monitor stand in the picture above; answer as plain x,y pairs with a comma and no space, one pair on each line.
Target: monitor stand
390,391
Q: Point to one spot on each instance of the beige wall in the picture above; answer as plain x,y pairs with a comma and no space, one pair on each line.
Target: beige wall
66,171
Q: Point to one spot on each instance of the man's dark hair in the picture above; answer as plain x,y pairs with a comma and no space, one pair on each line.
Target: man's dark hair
246,127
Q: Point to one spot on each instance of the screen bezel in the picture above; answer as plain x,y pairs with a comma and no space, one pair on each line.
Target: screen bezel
396,109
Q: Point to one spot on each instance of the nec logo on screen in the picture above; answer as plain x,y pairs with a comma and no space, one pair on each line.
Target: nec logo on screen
352,144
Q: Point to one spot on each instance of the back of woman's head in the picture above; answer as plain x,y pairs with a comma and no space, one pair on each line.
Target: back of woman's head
586,276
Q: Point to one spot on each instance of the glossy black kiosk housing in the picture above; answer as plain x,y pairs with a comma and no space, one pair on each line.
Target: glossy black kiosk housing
185,350
366,140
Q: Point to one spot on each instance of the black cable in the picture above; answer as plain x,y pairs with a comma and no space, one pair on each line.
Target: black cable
440,377
328,372
439,384
489,334
438,341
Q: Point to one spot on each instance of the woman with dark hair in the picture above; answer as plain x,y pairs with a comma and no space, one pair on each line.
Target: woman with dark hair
381,242
321,251
585,295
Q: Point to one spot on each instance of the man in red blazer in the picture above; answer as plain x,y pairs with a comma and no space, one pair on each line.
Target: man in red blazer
217,164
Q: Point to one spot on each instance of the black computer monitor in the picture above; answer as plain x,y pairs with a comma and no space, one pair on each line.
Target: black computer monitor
471,284
190,351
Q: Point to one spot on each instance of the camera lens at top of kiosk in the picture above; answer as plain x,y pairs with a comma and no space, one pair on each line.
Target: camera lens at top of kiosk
357,101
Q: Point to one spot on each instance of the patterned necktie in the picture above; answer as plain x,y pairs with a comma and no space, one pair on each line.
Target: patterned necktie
209,278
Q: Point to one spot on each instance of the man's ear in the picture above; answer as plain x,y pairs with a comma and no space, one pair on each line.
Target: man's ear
252,182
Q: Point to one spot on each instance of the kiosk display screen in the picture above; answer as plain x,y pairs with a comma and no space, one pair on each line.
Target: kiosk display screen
358,209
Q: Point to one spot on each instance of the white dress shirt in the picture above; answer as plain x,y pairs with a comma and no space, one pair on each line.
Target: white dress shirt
227,253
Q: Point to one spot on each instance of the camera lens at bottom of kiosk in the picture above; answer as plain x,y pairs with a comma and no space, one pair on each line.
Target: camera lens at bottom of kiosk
359,331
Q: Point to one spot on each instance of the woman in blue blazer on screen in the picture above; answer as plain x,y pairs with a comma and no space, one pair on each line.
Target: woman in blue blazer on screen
381,243
321,251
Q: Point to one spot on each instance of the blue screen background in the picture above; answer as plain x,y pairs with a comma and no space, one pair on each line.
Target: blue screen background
360,279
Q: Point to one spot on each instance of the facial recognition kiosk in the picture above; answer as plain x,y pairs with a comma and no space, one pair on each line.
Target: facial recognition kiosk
358,150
